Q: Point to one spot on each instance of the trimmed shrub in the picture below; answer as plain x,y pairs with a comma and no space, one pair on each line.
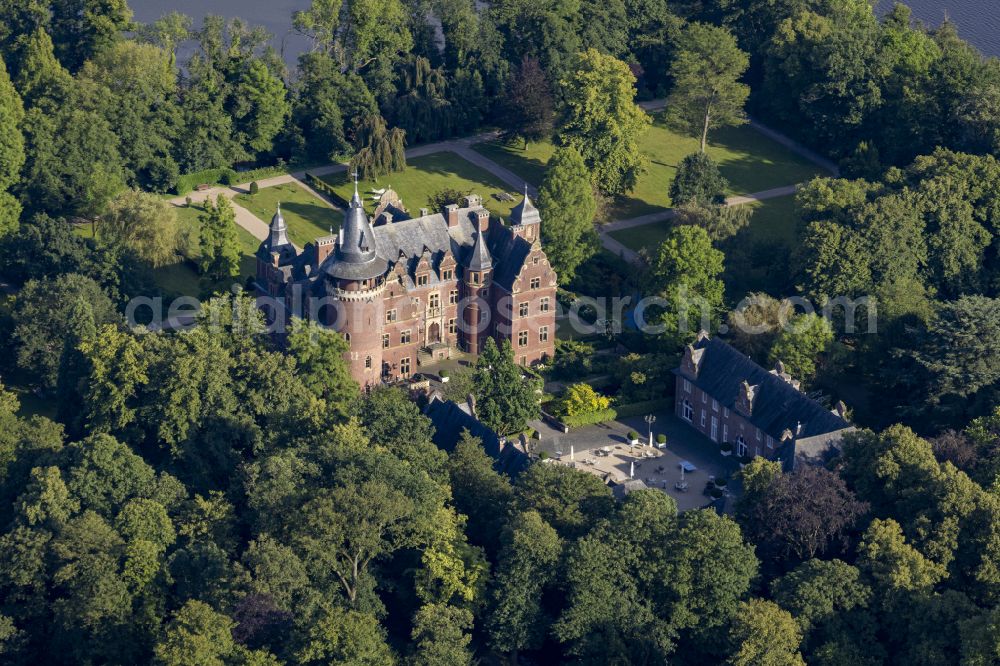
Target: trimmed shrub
444,373
721,481
716,493
544,455
228,177
725,446
632,435
590,418
254,188
661,439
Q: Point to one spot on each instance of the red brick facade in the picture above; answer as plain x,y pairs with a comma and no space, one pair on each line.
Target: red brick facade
439,290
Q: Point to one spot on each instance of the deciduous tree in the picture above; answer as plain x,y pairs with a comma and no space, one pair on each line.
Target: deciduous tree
601,120
707,91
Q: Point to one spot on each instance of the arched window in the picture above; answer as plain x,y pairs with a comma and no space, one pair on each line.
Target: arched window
347,336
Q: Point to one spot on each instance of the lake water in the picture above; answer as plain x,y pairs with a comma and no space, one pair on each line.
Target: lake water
978,20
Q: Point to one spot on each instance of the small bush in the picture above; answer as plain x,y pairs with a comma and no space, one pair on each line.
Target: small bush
544,455
254,188
444,373
661,439
726,447
187,201
721,482
745,460
633,435
227,177
716,493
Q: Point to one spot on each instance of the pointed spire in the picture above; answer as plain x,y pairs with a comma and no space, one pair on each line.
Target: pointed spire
356,199
480,258
279,230
525,212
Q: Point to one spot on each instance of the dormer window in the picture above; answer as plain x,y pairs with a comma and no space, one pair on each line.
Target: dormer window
447,274
422,280
475,278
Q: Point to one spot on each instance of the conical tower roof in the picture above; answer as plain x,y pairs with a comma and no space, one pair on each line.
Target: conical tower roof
480,258
279,230
356,258
525,212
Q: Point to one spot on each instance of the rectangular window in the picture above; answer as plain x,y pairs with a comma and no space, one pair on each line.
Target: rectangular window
725,412
390,316
447,274
453,296
536,283
543,334
451,326
704,398
758,434
475,278
687,386
715,405
404,367
688,411
385,341
703,418
543,304
725,432
404,337
434,301
522,310
421,280
522,339
770,442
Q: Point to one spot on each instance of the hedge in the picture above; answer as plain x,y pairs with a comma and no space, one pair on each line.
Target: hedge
321,185
590,418
643,408
189,181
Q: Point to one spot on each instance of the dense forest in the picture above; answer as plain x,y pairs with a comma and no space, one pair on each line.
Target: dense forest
214,497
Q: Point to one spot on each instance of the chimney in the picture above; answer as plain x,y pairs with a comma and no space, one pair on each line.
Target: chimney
451,214
423,212
473,201
387,216
482,220
324,246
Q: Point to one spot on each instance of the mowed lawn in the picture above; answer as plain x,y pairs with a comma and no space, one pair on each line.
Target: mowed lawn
427,175
307,216
529,161
774,221
750,161
181,278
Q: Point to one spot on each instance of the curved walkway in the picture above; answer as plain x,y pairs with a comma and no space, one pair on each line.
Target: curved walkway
463,148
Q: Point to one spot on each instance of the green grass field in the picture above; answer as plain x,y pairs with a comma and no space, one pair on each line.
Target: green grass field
773,220
182,279
528,162
424,176
307,216
750,162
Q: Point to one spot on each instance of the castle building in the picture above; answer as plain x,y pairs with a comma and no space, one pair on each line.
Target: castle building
405,291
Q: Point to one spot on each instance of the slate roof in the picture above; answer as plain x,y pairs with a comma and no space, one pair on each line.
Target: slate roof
525,212
449,419
480,258
777,406
277,241
509,254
